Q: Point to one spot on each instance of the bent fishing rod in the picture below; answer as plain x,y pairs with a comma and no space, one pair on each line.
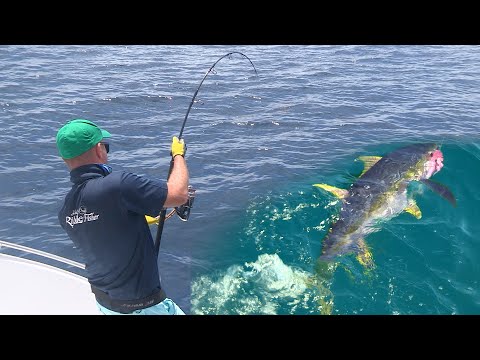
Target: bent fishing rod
183,211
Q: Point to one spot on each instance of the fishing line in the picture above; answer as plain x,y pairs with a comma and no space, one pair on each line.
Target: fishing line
183,211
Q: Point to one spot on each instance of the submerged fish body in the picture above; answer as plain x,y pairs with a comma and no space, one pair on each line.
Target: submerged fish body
379,194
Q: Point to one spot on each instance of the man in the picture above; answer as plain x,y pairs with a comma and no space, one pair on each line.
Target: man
104,216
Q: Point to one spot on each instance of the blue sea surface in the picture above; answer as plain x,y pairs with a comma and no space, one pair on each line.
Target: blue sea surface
256,145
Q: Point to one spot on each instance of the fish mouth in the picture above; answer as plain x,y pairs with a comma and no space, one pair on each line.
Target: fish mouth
433,164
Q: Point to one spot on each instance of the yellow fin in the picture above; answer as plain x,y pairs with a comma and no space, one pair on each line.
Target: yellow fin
365,256
340,193
151,220
368,162
413,209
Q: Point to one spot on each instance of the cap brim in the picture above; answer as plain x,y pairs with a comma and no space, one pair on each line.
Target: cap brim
105,133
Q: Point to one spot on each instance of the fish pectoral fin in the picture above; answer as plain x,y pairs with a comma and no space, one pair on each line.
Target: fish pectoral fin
151,220
339,193
413,209
368,162
364,255
441,190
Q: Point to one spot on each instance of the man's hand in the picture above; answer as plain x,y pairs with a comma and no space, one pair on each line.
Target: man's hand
178,147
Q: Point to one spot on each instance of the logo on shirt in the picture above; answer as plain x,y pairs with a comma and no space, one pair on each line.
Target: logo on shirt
80,216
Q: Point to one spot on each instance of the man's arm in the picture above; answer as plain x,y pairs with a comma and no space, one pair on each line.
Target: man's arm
178,180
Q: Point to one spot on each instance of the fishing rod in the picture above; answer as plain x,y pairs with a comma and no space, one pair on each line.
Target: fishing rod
183,211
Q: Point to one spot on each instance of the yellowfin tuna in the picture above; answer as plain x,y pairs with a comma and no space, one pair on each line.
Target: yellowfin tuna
380,193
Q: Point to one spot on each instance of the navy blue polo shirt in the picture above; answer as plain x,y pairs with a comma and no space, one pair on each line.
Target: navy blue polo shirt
104,216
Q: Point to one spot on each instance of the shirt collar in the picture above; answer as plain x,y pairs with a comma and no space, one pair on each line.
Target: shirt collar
87,172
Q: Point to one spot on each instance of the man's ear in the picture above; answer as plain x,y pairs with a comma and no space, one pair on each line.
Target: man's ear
98,149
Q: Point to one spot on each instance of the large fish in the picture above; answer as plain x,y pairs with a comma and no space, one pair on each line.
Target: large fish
379,194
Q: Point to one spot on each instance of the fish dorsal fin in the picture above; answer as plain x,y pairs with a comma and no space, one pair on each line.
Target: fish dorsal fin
413,209
441,190
368,162
339,193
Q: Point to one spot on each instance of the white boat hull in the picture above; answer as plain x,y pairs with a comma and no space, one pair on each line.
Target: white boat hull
32,288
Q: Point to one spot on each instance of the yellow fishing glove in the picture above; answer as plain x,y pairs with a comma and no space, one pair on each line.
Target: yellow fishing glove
178,147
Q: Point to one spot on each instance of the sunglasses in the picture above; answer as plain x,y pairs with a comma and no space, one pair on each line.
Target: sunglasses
107,146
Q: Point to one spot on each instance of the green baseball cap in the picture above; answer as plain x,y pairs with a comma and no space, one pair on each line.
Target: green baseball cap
78,136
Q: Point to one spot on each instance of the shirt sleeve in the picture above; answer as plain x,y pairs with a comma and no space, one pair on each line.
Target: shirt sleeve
142,195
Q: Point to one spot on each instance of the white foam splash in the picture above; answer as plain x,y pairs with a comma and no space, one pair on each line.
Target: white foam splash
265,286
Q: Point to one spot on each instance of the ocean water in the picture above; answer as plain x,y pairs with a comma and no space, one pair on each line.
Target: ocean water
256,144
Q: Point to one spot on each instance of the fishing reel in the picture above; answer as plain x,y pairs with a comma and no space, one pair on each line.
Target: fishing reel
183,211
